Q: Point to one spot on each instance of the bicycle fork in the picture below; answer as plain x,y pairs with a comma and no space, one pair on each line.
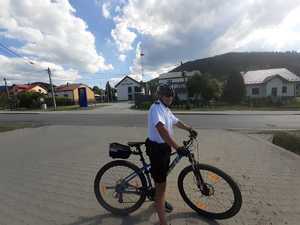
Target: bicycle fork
196,170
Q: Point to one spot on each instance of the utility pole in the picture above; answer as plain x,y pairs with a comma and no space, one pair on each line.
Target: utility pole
7,92
52,90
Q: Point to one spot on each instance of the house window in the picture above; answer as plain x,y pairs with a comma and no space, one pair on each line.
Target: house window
255,91
129,90
284,89
137,89
274,92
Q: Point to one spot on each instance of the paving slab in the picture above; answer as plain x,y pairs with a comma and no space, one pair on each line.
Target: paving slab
47,175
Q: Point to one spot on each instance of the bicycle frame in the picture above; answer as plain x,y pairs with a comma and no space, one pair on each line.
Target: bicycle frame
145,169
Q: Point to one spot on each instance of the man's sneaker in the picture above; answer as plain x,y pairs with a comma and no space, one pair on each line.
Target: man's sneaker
168,207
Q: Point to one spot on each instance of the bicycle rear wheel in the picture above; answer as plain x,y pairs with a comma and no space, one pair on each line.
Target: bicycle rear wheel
119,187
224,199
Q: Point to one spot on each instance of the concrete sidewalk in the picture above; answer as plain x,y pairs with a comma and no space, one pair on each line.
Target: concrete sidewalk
47,177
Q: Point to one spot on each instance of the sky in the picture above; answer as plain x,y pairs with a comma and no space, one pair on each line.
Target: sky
95,41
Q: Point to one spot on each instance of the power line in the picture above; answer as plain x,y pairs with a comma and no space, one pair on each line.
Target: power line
10,51
16,54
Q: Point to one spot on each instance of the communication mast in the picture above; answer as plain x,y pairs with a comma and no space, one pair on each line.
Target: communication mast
142,64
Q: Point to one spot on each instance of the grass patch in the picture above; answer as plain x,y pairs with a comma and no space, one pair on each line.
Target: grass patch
288,140
10,127
61,108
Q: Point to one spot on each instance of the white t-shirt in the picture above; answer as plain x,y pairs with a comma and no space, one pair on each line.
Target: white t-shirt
160,113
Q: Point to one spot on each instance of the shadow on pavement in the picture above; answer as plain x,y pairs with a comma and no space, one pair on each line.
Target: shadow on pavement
191,216
142,217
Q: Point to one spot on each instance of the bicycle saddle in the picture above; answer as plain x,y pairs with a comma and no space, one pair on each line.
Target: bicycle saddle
135,144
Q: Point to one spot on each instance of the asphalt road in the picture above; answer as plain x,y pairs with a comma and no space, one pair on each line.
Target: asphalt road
140,120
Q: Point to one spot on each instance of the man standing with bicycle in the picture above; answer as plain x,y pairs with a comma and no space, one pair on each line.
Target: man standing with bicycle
159,143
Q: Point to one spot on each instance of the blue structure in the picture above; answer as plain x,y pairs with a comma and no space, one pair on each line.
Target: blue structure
2,89
83,102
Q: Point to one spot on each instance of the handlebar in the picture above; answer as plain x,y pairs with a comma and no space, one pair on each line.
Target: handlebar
190,141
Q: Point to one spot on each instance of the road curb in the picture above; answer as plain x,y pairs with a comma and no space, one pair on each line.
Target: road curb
285,151
24,113
237,114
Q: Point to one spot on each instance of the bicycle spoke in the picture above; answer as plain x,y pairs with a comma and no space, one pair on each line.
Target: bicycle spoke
130,192
219,201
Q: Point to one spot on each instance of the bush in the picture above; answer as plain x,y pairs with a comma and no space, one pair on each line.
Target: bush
145,105
188,106
140,100
269,102
4,103
288,141
234,89
30,100
60,101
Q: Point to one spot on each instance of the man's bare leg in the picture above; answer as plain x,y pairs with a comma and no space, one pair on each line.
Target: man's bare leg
160,190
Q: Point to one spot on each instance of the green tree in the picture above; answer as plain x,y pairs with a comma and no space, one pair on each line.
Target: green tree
108,92
97,90
234,89
203,86
194,85
152,86
216,86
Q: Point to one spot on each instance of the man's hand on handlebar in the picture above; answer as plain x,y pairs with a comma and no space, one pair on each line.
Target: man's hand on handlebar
193,133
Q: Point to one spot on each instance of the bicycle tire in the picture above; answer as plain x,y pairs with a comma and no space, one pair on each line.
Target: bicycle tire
99,196
236,206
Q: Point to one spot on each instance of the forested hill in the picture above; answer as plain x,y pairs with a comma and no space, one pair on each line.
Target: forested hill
222,65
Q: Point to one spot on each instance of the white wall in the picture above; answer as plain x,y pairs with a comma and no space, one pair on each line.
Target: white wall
262,91
266,89
279,83
122,89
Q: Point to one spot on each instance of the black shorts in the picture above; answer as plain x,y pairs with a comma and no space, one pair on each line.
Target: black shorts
159,155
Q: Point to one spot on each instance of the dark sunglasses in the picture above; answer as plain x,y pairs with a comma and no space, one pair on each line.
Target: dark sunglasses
169,95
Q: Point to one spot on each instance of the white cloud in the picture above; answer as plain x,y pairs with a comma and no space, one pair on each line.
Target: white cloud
271,32
188,29
149,72
51,32
18,72
122,57
106,10
123,36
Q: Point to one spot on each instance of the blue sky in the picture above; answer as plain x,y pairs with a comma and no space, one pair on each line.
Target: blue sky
91,12
95,41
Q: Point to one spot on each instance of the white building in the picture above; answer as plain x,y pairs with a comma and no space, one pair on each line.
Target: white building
127,88
272,82
178,81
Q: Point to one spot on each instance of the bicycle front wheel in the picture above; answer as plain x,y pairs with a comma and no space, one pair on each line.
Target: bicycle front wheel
119,187
222,201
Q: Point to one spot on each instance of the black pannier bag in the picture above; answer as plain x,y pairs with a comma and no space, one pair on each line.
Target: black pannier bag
117,150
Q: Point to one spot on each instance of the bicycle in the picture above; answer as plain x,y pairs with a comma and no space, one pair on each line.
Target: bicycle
133,184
